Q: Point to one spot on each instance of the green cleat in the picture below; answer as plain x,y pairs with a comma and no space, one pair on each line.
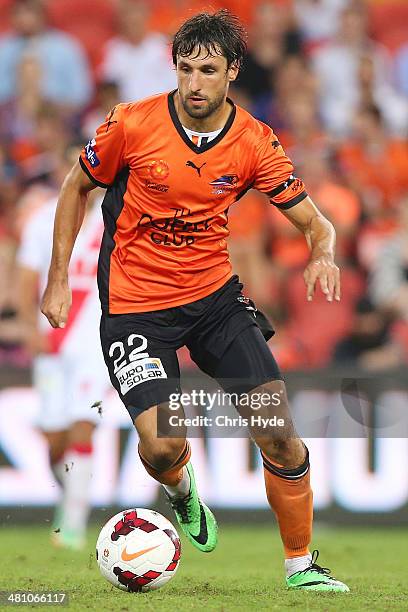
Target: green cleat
196,520
316,578
70,540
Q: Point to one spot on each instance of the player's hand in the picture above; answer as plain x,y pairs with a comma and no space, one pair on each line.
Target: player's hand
324,270
56,303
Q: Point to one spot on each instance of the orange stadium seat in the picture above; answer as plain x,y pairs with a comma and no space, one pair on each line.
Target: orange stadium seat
91,22
168,16
318,325
4,14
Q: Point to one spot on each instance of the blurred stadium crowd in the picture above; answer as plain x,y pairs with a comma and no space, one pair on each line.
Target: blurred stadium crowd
331,78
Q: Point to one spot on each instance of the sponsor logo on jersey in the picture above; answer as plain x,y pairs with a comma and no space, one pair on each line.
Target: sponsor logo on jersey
224,183
227,180
191,164
90,153
175,230
157,186
137,372
159,170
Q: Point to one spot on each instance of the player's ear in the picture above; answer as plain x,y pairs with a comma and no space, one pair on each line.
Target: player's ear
233,71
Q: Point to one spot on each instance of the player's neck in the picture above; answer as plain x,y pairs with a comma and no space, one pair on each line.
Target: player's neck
216,121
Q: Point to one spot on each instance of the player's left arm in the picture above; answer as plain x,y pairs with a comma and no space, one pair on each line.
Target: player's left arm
321,239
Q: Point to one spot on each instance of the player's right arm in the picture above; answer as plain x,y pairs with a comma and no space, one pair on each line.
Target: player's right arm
101,160
71,207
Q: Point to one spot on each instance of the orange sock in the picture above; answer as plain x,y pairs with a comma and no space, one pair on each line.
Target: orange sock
173,475
290,497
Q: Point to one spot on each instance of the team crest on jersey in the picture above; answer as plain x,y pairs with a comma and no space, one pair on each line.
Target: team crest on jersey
159,170
224,183
90,153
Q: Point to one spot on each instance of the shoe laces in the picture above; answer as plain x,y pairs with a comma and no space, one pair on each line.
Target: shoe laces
180,505
315,567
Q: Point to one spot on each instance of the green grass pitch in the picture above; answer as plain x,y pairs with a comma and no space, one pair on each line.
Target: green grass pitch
244,573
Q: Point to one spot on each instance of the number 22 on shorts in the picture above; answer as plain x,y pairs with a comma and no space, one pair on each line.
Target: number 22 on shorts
138,367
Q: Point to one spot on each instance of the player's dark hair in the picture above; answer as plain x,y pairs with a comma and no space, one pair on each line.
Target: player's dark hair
220,33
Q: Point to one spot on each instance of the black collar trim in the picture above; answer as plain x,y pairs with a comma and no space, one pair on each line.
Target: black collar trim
181,131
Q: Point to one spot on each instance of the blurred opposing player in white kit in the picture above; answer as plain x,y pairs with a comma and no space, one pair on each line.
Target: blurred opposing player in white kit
68,369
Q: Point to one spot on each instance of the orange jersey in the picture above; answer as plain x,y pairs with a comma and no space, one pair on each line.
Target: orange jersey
167,200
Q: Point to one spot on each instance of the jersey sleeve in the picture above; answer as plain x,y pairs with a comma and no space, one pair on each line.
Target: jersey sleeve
274,173
105,155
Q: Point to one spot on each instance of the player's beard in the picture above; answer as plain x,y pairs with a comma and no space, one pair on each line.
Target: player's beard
208,109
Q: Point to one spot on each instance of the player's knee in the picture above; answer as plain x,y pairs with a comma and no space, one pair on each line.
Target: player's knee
81,432
163,453
287,452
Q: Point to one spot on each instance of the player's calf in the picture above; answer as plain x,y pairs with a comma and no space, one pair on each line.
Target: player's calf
287,453
159,451
161,455
287,483
167,461
271,425
195,519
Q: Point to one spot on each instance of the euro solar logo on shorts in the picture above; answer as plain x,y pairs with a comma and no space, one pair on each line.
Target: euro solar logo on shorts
91,156
137,372
151,366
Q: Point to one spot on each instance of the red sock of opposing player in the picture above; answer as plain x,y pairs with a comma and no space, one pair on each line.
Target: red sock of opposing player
290,497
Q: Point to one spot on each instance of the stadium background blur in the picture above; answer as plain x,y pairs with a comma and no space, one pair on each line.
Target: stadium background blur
331,78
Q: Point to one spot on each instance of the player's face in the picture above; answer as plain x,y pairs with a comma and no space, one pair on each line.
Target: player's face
203,82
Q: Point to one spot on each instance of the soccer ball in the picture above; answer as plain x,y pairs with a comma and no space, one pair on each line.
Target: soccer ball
138,550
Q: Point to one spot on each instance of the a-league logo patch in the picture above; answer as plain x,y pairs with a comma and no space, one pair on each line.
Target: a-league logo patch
138,372
91,156
159,169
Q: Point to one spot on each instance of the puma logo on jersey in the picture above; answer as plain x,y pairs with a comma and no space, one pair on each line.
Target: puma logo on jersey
191,164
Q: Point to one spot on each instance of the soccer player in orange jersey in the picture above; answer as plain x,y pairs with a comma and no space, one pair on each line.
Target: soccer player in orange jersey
172,165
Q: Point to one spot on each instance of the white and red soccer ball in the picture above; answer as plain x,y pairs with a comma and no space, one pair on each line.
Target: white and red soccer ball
138,550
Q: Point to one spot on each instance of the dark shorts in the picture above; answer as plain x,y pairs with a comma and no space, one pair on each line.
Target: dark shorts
224,332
